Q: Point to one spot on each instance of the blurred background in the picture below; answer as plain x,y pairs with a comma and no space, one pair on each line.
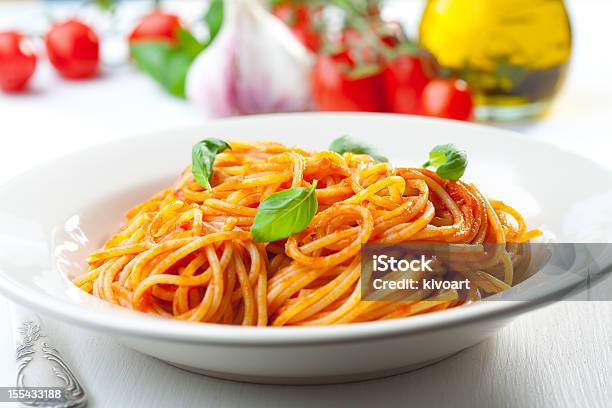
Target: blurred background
74,73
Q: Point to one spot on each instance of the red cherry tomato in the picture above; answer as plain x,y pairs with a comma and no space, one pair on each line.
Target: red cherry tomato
405,78
158,26
17,61
73,49
300,18
448,98
338,86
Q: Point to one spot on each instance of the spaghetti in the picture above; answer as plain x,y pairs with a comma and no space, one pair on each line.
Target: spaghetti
187,253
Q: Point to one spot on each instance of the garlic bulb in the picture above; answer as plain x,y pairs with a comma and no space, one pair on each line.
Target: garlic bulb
254,65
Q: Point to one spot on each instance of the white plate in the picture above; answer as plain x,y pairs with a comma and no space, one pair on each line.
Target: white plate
51,217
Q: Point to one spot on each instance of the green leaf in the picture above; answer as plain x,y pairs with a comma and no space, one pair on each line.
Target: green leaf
188,44
448,161
214,19
346,144
105,5
164,63
168,63
203,156
285,213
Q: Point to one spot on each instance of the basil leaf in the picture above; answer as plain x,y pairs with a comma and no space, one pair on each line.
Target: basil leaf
285,213
188,44
168,63
448,161
203,156
214,19
346,144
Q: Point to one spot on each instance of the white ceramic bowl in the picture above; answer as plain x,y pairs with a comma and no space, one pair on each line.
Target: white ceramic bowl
52,216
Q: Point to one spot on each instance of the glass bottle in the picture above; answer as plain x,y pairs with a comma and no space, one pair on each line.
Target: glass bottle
514,54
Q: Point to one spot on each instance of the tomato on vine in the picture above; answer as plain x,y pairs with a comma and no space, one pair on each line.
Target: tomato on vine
340,84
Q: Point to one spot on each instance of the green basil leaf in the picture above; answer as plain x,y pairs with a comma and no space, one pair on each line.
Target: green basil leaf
203,156
164,64
285,213
188,44
167,63
214,19
448,161
346,144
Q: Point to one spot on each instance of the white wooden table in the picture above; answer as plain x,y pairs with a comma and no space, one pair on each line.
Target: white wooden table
557,357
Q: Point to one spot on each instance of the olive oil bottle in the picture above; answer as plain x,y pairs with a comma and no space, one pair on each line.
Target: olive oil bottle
514,54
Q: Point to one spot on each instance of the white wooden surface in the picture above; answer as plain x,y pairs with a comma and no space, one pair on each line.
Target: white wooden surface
557,357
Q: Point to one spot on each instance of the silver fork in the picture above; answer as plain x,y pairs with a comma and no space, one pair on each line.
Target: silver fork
40,364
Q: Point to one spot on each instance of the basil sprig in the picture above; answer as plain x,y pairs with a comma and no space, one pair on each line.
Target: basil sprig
285,213
346,144
203,156
448,161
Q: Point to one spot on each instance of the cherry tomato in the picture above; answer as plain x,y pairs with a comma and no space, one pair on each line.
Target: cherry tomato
156,26
17,61
301,18
405,78
73,49
339,85
448,98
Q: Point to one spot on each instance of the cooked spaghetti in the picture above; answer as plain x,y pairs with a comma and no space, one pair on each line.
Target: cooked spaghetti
187,253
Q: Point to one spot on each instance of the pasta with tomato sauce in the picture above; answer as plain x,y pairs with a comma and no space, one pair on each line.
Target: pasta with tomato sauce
189,251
